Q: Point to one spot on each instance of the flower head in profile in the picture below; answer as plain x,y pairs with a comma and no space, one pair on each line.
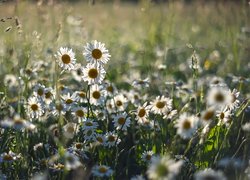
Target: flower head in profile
66,58
93,74
163,168
96,53
102,171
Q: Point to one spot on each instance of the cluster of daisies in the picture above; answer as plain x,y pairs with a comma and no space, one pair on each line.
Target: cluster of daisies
98,114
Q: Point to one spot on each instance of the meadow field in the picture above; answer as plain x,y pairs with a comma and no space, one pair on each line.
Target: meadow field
125,90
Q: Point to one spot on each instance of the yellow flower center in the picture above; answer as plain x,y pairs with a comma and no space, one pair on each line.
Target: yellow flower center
69,101
119,103
93,73
34,107
160,104
79,113
7,157
48,95
110,89
88,124
96,54
18,122
208,115
219,97
186,124
102,169
148,157
96,94
222,115
121,120
78,145
40,91
111,138
82,94
99,139
141,112
66,59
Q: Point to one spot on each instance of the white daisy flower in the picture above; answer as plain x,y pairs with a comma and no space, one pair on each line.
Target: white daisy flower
141,83
34,108
142,113
57,108
79,113
234,103
10,81
121,121
147,156
93,74
109,89
161,105
186,125
90,124
209,174
95,52
69,100
169,115
89,135
111,139
224,116
207,116
219,97
138,177
110,106
39,90
100,139
49,95
96,95
120,102
66,58
69,130
71,161
81,96
8,157
77,73
163,168
102,171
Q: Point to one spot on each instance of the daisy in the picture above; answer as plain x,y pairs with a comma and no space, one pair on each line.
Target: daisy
110,106
95,52
147,156
69,130
234,103
209,174
219,97
186,125
89,124
138,177
101,171
79,113
121,121
142,113
71,161
93,74
141,83
163,168
66,58
100,139
96,95
69,100
207,116
134,97
8,157
39,90
161,105
57,108
224,116
89,134
49,95
120,102
10,81
111,139
109,89
34,108
77,73
81,96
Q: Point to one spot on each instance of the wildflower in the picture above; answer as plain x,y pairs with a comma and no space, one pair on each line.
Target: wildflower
69,130
81,96
120,102
71,161
186,125
170,114
109,89
111,139
34,108
58,108
79,113
89,134
39,90
95,52
66,58
163,168
102,171
121,121
234,103
246,127
207,116
138,177
147,156
219,97
161,105
8,157
223,116
69,100
142,113
93,74
77,73
10,81
49,95
209,174
100,139
141,83
96,95
89,124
